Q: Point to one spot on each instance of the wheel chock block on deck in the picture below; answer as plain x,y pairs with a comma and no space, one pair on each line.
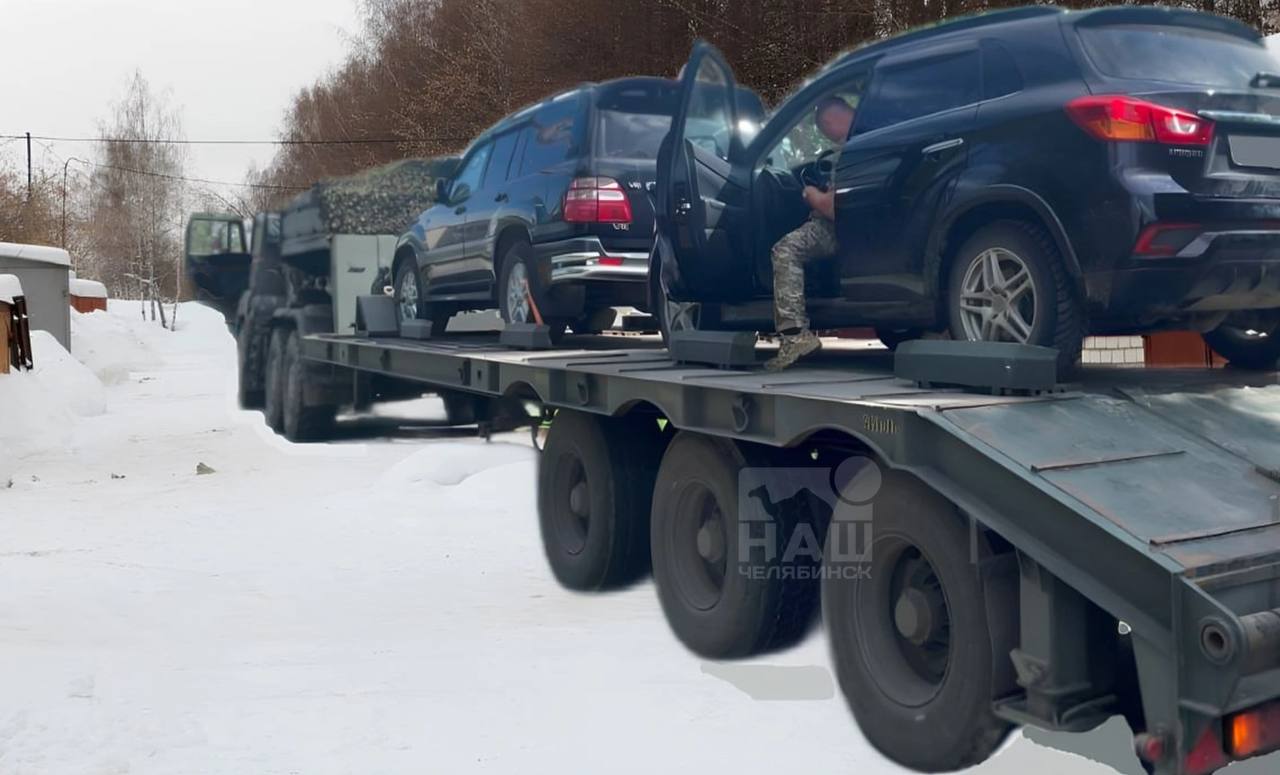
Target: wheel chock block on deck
725,349
987,365
527,336
416,329
376,316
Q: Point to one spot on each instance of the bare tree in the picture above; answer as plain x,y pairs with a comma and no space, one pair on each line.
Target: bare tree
137,208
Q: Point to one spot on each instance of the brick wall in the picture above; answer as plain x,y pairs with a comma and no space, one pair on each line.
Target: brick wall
1113,350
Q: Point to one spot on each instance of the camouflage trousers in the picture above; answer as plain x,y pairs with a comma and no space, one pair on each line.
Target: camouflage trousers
815,239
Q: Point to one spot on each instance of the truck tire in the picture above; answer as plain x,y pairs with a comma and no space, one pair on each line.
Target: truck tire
595,486
273,379
720,603
251,381
1031,283
892,337
301,423
910,638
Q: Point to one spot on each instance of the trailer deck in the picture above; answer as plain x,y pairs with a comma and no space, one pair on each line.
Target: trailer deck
1154,494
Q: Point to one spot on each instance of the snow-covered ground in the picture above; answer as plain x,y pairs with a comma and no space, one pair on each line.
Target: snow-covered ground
376,605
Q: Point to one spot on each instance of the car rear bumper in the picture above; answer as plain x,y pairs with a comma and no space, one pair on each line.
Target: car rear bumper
586,259
1220,270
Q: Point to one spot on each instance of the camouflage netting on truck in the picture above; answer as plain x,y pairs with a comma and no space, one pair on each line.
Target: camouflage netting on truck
382,200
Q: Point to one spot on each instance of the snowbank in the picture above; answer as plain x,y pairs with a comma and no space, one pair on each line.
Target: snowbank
110,346
10,287
86,289
66,380
41,253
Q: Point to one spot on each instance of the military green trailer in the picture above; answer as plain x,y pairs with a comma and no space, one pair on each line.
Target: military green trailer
998,550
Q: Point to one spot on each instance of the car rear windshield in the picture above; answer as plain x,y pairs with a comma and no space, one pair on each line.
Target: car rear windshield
623,135
1176,54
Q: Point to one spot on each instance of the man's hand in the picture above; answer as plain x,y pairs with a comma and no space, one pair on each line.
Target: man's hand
821,202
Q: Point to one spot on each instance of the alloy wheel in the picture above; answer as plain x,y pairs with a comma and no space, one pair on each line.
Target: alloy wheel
998,298
517,296
408,296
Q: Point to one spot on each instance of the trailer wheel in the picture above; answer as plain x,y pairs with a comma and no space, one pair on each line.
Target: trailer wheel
719,603
910,636
301,422
273,378
595,485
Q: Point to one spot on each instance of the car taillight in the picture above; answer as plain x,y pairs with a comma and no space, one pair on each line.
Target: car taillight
1254,732
1128,119
1166,239
596,200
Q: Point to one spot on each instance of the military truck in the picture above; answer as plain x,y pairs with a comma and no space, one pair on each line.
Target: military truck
283,275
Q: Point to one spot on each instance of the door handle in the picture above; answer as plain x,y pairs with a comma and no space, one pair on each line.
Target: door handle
501,197
944,145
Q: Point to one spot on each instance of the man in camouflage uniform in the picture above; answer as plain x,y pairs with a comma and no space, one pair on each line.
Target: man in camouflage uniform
815,239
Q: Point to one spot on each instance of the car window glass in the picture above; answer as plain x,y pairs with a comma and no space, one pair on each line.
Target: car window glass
805,142
551,137
1000,74
470,175
921,88
500,160
709,121
1176,54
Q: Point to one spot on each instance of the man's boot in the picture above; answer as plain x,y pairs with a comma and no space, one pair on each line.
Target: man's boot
793,348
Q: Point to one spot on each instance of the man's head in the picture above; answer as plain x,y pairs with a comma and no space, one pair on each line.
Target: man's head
834,118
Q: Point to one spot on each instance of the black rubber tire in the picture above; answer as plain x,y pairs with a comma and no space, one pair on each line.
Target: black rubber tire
250,382
273,379
521,252
892,337
927,726
1245,351
301,423
404,270
616,460
1060,321
752,607
459,408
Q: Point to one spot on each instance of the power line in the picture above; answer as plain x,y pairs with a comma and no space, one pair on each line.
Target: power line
148,173
179,141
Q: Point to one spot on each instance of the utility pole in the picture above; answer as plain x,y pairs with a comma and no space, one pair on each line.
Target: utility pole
28,167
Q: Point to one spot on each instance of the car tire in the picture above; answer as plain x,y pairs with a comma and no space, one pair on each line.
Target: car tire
251,384
273,382
892,337
516,269
595,486
408,292
300,422
923,698
720,604
1259,350
1046,292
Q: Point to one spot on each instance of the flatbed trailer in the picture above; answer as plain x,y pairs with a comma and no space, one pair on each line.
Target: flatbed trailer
1123,531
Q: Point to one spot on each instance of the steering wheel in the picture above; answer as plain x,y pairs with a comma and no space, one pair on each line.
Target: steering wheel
818,172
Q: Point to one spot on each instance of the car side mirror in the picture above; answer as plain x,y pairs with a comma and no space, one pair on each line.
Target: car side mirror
460,194
442,190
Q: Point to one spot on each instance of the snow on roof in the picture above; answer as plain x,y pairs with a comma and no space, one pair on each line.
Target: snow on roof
87,289
41,253
9,288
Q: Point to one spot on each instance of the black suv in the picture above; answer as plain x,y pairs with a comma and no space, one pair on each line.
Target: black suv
553,198
1029,175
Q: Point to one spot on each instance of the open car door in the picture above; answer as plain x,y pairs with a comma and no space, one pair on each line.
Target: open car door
703,193
217,260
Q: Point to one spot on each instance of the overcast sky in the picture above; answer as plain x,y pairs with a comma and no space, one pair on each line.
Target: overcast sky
230,66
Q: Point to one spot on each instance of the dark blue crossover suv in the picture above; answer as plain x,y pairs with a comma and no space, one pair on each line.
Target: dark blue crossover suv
1033,175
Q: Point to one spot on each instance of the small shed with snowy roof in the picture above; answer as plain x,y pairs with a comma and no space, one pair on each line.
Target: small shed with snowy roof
43,272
